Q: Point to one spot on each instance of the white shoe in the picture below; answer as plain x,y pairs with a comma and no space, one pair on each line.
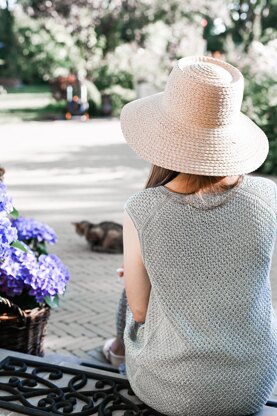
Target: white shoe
113,358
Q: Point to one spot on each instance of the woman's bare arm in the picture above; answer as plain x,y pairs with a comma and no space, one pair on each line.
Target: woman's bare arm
136,280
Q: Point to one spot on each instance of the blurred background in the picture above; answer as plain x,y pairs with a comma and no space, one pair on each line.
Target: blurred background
66,69
89,57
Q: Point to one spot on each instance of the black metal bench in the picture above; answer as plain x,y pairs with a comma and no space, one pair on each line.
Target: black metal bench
34,386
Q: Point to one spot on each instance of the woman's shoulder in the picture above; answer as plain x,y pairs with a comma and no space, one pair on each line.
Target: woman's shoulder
260,182
262,188
143,203
145,197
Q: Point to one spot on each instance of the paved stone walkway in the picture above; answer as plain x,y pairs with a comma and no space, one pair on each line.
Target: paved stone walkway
61,172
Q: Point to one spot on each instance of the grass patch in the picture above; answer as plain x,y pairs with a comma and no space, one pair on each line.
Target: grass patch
30,103
29,89
53,111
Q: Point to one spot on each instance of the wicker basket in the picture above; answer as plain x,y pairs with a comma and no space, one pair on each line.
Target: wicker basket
22,330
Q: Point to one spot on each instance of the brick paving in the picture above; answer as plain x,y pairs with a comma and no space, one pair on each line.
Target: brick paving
61,172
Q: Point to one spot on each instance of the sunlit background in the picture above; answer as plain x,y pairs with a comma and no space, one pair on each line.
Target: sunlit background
118,50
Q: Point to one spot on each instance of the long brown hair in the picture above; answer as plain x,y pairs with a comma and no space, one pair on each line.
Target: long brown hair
160,176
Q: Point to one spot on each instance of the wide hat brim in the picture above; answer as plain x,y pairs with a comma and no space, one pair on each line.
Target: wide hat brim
236,149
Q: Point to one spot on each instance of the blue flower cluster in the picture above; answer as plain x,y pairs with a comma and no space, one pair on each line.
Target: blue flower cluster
30,273
29,229
6,205
8,233
51,279
44,277
18,267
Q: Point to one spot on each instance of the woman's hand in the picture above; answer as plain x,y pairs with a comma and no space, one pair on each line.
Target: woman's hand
120,271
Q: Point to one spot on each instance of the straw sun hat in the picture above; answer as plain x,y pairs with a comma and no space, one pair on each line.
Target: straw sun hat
195,125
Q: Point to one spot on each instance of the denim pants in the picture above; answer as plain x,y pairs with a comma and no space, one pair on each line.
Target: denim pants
121,315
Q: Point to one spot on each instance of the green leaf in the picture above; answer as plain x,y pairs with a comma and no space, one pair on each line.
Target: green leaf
14,213
41,248
19,245
53,303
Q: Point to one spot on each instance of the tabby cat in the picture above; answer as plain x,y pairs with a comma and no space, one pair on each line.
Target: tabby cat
105,237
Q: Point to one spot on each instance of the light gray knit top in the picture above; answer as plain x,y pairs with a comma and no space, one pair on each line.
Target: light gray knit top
209,343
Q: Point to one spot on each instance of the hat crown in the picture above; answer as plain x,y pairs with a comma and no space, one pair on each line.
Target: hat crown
204,91
211,72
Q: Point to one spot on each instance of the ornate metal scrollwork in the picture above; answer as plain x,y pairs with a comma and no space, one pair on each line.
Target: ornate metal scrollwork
35,388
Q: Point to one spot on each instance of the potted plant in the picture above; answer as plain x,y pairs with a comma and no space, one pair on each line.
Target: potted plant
31,280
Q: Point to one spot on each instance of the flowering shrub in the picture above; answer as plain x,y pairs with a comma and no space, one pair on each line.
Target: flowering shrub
29,276
22,274
35,234
17,270
29,229
6,205
259,69
51,280
8,233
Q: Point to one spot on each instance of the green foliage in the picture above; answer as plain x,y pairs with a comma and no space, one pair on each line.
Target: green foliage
29,89
14,214
8,51
118,85
52,303
37,247
117,102
18,244
43,48
55,111
115,44
260,104
94,95
251,18
123,23
118,97
105,78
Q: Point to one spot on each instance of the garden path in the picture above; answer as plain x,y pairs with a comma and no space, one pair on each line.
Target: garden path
61,172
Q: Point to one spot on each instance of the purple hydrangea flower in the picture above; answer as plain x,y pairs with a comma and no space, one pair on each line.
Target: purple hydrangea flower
6,205
20,271
51,279
8,234
29,229
17,267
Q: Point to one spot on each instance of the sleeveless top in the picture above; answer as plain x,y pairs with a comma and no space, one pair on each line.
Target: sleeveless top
208,346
